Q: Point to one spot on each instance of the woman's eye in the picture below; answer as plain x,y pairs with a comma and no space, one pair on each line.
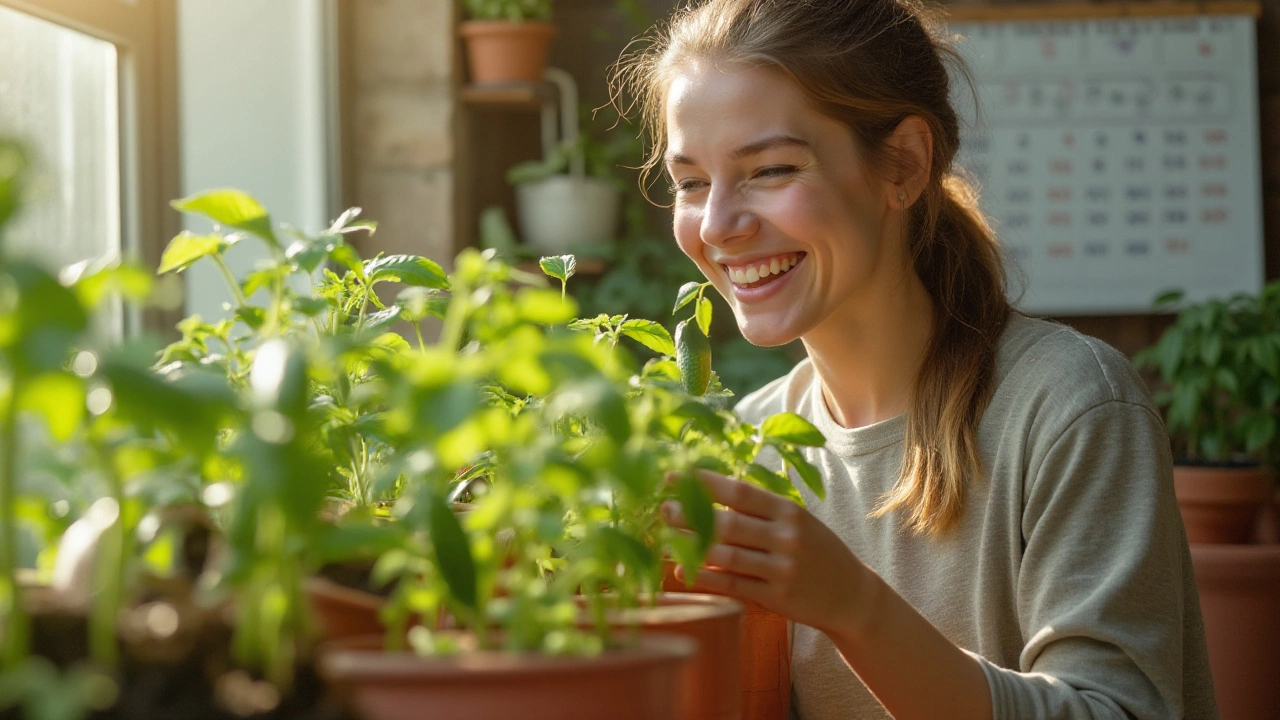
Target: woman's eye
775,171
684,186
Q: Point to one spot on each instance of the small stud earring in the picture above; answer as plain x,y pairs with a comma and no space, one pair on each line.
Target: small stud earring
902,197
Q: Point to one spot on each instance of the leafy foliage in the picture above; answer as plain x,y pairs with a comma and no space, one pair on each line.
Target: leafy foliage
303,399
509,10
1220,367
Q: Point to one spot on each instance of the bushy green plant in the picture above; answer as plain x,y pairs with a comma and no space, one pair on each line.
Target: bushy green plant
1220,367
510,10
304,395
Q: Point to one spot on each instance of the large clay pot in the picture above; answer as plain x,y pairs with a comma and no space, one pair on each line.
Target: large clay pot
500,51
637,683
1221,505
711,688
764,666
1239,587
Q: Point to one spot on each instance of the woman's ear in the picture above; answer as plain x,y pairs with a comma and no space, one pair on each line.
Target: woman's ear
913,144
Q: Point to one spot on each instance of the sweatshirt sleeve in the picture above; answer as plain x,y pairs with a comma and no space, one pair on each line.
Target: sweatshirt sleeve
1102,594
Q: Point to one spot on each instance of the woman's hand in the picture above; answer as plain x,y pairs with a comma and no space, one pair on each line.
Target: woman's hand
771,551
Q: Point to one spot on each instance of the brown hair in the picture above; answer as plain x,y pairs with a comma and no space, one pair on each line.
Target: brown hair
870,64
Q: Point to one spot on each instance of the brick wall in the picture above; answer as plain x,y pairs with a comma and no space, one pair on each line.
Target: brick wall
398,80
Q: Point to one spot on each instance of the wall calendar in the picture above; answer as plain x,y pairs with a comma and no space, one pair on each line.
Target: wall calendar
1117,157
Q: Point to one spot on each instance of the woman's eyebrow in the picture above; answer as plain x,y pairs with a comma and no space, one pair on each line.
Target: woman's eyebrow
755,148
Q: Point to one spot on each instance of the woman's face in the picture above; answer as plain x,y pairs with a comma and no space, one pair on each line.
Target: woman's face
775,202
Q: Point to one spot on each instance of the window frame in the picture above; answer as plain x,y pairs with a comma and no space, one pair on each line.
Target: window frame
144,33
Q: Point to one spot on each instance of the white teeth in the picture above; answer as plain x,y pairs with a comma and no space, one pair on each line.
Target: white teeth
775,266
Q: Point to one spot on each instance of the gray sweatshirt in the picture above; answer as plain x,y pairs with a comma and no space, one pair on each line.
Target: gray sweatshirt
1068,577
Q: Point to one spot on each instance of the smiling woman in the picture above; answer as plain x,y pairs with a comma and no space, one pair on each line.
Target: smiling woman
998,536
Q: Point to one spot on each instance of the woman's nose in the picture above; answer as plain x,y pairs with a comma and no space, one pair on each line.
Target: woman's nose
726,218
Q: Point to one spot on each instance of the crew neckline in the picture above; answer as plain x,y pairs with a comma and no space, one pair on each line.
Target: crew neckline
849,442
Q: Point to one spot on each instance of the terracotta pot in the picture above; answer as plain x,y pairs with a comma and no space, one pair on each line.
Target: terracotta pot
344,612
637,683
500,51
1220,505
764,667
711,685
1239,587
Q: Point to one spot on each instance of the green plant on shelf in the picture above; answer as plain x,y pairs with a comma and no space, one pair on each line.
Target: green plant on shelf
1220,368
509,10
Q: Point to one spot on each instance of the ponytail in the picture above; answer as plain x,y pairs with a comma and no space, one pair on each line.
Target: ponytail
960,265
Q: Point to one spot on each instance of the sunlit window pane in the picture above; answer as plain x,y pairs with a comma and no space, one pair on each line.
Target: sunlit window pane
59,96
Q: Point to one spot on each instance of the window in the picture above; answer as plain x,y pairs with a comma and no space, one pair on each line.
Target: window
89,86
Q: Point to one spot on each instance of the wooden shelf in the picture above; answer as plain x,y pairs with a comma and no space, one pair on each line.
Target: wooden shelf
585,266
507,94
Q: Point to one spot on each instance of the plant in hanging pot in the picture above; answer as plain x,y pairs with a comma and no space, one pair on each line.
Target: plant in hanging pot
507,40
569,201
1220,366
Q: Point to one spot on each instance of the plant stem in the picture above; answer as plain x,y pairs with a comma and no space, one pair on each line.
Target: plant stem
417,330
109,574
15,640
230,277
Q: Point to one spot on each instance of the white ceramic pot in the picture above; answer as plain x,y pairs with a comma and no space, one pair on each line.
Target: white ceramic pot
565,213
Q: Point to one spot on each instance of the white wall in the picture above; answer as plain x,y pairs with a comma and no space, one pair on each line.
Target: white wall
253,106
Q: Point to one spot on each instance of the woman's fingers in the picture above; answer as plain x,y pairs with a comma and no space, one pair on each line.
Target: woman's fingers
741,496
744,561
722,582
731,527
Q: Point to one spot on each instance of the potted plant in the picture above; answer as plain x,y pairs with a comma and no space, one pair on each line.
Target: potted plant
568,202
1220,366
1220,363
109,487
507,40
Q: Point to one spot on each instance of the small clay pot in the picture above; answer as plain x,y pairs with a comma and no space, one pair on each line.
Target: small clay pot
1221,504
504,52
764,665
636,683
344,612
711,688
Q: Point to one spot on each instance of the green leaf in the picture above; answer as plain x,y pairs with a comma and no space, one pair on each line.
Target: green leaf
650,334
1259,431
705,420
545,307
1168,298
59,398
687,293
807,472
1170,351
792,429
703,314
773,482
187,248
452,548
560,267
407,270
495,231
232,208
346,256
698,509
1211,351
